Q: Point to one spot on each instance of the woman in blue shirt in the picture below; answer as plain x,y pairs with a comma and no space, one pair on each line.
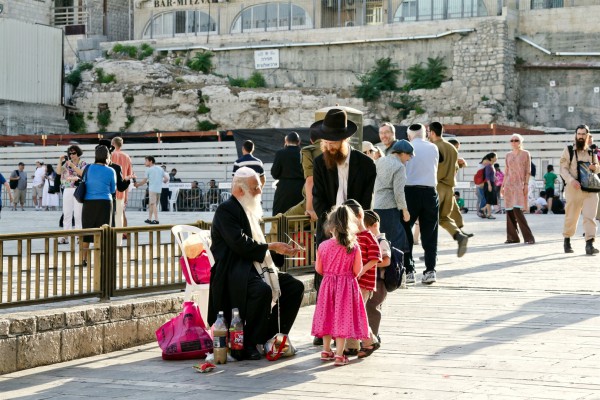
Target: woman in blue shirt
101,183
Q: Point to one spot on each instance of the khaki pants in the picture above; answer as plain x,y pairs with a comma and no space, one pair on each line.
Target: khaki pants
456,215
120,205
584,203
447,202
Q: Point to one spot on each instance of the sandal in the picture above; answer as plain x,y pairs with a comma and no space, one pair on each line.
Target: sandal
327,356
351,352
367,351
340,361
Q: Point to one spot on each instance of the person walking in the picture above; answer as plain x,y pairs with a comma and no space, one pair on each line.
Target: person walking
340,312
70,168
21,189
287,169
37,188
50,200
579,201
155,177
489,185
515,191
121,158
422,201
446,180
101,183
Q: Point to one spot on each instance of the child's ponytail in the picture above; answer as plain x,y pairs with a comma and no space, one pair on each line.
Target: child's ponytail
342,224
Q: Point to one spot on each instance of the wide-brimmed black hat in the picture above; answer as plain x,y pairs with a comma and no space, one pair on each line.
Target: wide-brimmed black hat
335,126
107,143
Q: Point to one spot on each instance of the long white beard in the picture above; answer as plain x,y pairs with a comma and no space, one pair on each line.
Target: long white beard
252,205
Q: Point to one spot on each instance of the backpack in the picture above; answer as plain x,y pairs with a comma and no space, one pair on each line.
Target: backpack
394,274
479,177
571,153
14,183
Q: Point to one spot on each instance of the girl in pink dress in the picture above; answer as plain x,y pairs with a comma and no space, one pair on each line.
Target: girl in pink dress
340,311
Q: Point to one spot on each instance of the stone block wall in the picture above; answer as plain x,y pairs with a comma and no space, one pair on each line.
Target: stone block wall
37,338
34,11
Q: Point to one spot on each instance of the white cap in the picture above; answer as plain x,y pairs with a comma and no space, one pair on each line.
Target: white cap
245,172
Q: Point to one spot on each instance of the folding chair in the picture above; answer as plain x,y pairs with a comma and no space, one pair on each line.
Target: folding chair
182,232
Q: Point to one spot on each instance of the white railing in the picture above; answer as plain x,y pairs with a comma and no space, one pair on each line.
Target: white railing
65,16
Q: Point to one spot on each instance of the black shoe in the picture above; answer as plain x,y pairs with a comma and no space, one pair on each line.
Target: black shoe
251,353
462,240
148,221
318,341
590,250
567,245
351,352
470,235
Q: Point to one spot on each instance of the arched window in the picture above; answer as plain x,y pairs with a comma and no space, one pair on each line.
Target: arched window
271,17
179,23
419,10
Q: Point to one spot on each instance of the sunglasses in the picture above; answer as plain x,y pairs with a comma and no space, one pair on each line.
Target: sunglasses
72,152
515,140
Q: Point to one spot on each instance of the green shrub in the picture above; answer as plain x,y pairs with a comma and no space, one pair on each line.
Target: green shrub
85,66
383,76
484,98
202,109
429,77
178,61
405,103
256,80
76,123
145,51
238,82
74,78
103,120
103,78
129,122
206,125
201,62
90,115
179,79
129,100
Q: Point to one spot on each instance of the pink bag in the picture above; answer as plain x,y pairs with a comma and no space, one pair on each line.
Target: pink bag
185,336
199,266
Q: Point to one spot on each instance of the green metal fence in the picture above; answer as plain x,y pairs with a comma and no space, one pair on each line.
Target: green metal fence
38,268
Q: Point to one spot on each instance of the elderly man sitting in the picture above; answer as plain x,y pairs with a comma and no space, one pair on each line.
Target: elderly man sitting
245,275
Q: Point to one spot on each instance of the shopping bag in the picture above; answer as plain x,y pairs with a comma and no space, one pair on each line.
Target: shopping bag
185,336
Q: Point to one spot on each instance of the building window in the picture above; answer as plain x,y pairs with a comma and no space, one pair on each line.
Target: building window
179,23
542,4
418,10
271,17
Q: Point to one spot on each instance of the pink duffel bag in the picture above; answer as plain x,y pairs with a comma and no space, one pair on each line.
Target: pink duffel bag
185,336
199,267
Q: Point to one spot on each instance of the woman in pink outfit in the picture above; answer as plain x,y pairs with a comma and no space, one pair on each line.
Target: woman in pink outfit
515,189
340,310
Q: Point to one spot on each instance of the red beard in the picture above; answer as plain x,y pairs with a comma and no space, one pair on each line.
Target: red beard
332,160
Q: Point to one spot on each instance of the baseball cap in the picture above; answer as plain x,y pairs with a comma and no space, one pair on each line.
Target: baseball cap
367,146
403,146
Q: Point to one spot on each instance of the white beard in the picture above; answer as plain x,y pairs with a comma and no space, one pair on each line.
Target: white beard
252,206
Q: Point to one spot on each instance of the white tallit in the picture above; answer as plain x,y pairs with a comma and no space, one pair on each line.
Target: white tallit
267,269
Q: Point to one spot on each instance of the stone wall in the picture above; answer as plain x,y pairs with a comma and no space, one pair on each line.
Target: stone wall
20,118
34,11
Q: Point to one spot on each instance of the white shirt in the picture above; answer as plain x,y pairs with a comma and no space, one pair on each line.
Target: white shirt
165,185
38,176
343,170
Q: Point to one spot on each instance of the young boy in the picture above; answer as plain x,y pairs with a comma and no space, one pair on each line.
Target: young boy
371,256
549,178
461,203
373,305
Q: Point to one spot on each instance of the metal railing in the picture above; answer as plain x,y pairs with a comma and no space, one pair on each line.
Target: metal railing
37,267
66,16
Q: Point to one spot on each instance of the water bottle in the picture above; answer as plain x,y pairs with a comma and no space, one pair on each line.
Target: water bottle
220,339
236,336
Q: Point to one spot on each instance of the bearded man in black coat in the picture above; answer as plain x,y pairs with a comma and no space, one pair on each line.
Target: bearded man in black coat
245,274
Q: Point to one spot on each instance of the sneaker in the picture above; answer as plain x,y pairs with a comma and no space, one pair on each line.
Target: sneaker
410,278
148,221
428,277
154,222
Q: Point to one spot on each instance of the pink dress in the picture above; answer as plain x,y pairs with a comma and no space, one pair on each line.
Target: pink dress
516,177
340,310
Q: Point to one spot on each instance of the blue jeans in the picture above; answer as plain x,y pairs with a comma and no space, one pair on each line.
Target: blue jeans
391,225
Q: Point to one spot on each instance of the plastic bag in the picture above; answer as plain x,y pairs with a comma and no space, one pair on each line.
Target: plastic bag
199,268
185,336
192,246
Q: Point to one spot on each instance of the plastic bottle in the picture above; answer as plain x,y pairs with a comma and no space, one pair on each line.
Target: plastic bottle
220,339
236,336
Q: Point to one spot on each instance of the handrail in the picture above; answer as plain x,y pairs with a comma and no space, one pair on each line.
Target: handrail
36,268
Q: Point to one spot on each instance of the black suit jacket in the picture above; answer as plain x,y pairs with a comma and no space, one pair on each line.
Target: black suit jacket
234,251
361,181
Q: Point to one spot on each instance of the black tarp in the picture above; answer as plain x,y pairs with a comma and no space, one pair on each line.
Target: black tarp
268,141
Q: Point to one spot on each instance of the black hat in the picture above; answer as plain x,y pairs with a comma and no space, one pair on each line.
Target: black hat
335,126
107,143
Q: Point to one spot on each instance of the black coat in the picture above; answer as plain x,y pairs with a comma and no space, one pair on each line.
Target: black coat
234,251
287,167
361,182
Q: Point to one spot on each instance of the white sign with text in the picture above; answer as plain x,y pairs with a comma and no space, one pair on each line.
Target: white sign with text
265,59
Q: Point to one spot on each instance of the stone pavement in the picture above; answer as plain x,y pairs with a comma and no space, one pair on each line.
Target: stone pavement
503,322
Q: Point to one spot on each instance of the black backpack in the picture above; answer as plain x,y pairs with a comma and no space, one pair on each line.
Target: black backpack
14,183
394,274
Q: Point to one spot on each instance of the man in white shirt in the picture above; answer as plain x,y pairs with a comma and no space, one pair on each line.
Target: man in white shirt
37,190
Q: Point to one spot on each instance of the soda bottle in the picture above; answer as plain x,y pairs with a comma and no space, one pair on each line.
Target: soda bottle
236,336
220,339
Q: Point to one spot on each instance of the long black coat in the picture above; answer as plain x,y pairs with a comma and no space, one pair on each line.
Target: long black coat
287,167
234,251
361,182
